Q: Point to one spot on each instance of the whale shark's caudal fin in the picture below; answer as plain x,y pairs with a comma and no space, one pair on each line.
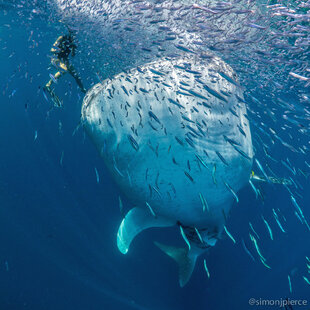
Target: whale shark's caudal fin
136,220
185,259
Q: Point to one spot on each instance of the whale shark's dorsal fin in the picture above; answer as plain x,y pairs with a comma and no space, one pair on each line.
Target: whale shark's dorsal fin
185,259
136,220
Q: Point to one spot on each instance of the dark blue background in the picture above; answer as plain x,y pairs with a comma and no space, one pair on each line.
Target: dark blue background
58,226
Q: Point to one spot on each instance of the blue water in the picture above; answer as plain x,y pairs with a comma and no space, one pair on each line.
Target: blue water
58,225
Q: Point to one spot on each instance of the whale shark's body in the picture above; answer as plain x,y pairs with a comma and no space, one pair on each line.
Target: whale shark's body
175,137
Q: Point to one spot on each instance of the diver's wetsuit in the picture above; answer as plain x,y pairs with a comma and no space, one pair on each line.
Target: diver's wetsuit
65,45
62,48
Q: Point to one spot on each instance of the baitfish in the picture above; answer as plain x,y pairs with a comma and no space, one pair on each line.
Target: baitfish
133,142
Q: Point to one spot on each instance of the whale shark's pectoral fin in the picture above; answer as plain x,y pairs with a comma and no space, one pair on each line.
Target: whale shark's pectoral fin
136,220
185,259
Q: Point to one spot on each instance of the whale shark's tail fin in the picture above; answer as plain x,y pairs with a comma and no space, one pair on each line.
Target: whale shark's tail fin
136,220
185,259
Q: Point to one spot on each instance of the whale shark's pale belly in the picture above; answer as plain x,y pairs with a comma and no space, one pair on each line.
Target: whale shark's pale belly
174,134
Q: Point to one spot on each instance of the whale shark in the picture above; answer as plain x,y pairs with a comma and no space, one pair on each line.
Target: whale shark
175,137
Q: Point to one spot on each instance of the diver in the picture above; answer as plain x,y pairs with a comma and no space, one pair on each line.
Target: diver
61,49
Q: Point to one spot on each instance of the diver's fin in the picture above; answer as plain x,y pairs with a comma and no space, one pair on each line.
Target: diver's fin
56,101
184,258
136,220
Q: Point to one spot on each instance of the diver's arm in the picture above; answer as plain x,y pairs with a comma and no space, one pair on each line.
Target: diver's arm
73,49
54,48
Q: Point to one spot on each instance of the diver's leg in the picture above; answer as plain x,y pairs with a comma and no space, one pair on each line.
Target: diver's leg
56,62
51,81
58,75
62,65
57,102
77,78
49,84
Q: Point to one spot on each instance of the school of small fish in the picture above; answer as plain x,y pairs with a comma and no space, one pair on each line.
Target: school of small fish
160,49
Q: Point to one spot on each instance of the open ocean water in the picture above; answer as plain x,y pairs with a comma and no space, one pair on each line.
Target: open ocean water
59,220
